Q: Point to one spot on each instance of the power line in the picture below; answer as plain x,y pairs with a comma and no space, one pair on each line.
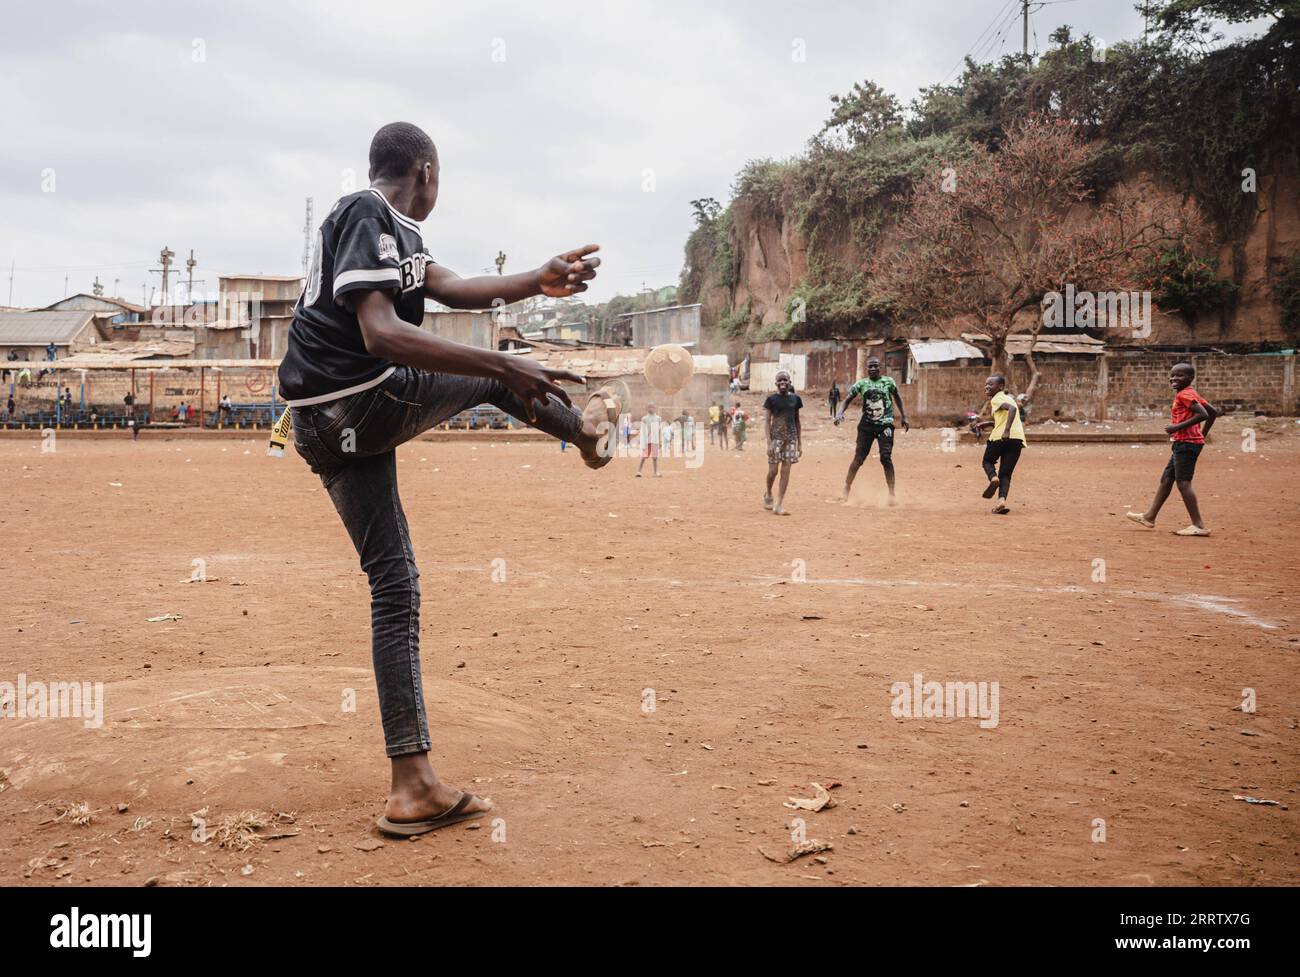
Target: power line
998,41
997,19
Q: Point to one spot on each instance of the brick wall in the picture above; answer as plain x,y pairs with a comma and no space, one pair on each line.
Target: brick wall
1118,387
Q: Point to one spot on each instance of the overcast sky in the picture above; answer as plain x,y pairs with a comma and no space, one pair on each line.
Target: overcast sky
206,125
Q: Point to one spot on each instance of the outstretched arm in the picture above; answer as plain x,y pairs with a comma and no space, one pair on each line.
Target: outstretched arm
564,275
390,338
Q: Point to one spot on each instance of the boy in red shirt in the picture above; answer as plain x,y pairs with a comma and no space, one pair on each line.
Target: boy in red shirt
1192,417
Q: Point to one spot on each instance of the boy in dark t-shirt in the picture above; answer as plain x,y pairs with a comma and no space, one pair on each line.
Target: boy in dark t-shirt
361,378
784,439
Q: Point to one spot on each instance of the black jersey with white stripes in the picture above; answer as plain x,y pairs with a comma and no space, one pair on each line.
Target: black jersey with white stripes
364,244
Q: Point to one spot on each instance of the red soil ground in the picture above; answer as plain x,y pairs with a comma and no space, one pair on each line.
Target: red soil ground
1119,699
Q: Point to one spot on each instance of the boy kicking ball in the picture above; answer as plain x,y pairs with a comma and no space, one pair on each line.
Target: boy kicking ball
1191,418
361,378
784,439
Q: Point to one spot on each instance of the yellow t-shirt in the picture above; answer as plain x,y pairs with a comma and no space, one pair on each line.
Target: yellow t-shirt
1001,400
715,413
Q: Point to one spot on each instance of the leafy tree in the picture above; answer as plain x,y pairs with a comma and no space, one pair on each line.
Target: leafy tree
865,113
998,231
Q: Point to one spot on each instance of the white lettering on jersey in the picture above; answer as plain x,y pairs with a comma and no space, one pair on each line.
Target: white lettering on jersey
388,247
412,271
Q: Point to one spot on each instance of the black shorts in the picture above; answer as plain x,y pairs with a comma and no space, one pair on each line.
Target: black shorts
869,432
1182,461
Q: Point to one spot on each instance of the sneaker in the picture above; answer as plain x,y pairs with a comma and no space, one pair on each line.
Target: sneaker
1141,519
1192,531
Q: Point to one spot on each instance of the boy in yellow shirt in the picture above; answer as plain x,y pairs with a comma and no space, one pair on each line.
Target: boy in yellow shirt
1006,440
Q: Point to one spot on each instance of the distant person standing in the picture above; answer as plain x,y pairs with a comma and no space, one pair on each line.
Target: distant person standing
715,419
51,352
686,423
183,412
11,406
650,435
739,425
834,397
784,440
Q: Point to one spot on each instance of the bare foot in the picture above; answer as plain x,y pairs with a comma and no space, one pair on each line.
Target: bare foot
767,502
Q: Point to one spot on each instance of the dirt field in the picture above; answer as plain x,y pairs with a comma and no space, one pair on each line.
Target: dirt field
1119,699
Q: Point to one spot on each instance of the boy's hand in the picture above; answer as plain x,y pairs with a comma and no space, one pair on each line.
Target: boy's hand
533,383
566,274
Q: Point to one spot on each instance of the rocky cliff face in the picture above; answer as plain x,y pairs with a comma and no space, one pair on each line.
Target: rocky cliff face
773,261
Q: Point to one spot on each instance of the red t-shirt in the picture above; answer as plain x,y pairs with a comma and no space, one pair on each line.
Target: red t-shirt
1182,411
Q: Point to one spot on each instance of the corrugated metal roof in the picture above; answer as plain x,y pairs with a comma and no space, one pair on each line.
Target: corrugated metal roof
662,308
944,351
108,299
1053,342
616,361
124,350
41,328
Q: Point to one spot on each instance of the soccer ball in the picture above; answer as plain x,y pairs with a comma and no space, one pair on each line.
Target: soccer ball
669,368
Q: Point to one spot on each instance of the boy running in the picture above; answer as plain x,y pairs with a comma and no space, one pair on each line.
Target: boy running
1006,440
361,378
879,396
784,439
1192,416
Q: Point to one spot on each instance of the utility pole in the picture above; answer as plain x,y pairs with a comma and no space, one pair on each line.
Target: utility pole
116,293
306,241
165,256
1024,14
97,288
190,264
11,282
